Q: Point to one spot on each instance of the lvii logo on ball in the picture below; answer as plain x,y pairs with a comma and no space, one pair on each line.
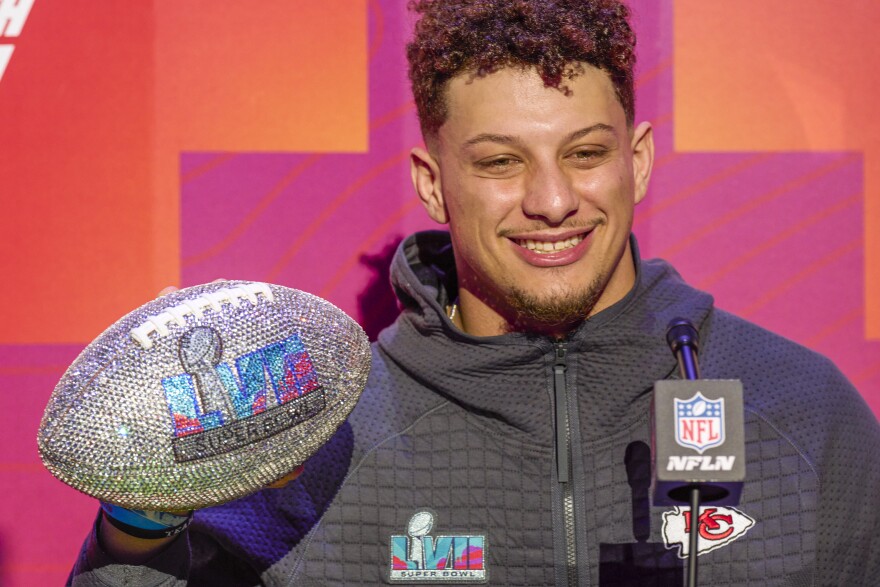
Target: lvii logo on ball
216,408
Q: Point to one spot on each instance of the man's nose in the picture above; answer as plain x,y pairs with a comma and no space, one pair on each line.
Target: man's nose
550,194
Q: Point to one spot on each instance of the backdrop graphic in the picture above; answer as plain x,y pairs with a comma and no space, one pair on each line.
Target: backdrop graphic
174,142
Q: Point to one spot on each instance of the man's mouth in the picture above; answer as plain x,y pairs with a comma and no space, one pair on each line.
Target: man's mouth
544,247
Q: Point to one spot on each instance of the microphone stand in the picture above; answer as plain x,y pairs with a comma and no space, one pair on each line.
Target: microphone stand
684,340
693,537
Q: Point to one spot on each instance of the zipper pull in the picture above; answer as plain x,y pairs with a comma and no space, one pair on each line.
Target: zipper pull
560,354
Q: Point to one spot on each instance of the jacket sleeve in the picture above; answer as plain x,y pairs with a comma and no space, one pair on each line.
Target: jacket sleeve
95,568
848,465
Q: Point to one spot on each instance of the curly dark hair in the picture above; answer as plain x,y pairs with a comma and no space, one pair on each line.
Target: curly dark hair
483,36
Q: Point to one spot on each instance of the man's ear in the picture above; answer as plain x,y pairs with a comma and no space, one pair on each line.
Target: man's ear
643,158
426,179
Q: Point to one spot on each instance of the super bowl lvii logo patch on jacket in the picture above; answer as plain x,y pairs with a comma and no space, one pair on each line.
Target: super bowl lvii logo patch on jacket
419,556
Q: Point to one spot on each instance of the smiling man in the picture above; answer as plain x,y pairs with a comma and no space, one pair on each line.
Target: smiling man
539,207
503,437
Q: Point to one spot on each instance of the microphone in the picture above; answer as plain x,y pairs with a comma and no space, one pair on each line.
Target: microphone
684,340
699,416
697,430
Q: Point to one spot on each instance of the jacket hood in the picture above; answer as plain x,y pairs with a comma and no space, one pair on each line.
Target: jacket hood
614,356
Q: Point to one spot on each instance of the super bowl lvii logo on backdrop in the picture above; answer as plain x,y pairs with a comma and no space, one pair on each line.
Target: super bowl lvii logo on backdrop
216,408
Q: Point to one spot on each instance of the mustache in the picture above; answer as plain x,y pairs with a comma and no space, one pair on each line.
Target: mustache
537,225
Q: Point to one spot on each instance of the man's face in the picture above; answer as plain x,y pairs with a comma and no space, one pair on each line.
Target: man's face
538,187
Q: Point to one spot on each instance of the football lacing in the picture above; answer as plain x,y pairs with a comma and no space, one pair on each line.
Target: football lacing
196,307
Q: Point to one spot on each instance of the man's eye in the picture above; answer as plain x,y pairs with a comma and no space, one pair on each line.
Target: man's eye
588,154
497,163
500,166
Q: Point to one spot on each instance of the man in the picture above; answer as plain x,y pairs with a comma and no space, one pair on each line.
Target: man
503,436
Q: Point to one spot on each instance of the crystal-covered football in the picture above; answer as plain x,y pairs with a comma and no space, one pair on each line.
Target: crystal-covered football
204,395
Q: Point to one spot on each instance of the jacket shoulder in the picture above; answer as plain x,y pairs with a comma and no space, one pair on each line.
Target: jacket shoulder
799,392
391,402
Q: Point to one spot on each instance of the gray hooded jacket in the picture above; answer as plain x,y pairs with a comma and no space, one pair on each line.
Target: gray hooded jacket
447,470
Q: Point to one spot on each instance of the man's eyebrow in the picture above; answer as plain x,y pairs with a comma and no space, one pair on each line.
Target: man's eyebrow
598,127
487,137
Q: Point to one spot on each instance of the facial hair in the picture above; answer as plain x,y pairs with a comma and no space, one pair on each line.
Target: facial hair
558,309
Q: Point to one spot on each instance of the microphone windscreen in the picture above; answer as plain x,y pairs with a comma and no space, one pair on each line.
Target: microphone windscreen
681,332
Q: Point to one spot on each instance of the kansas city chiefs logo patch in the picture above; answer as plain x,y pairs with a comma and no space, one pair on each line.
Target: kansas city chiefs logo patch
717,526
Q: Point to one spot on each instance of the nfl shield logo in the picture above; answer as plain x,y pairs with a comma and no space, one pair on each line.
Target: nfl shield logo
699,422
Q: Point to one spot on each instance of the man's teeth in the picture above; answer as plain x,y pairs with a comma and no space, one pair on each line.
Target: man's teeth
550,247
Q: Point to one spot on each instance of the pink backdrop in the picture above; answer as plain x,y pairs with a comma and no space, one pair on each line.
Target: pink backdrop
172,143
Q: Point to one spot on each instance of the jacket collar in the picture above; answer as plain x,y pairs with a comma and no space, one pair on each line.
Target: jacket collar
614,357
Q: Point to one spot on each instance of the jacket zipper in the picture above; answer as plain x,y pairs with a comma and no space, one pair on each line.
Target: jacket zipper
563,460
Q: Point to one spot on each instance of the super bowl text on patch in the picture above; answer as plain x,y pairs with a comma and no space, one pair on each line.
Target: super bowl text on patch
699,422
216,408
717,526
436,559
